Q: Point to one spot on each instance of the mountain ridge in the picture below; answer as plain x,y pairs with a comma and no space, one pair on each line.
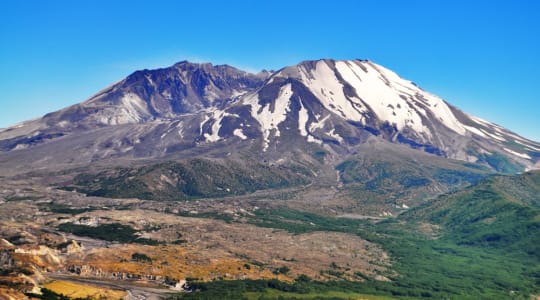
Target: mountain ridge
333,104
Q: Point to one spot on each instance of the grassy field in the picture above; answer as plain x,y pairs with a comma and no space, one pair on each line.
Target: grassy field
76,290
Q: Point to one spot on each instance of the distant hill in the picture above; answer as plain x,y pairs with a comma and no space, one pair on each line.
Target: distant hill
501,212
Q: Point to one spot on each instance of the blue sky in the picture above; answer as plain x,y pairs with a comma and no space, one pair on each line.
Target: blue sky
481,56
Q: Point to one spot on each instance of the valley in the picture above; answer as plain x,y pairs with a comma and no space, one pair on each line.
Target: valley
202,240
55,236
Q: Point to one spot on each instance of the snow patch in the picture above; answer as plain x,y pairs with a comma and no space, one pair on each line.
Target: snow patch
531,147
312,139
206,118
269,120
319,124
382,95
334,135
522,155
436,105
324,84
302,124
475,130
494,136
517,137
239,133
302,119
481,121
217,117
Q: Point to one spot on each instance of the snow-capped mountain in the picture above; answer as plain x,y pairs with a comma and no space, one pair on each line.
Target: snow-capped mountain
334,105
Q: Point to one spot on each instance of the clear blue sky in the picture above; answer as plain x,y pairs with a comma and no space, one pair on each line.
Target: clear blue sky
482,56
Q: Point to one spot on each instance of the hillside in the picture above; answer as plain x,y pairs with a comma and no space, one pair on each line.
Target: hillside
502,212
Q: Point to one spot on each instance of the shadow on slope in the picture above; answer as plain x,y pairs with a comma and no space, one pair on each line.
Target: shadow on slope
193,178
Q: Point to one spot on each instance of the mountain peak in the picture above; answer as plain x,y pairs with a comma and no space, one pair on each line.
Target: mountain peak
187,63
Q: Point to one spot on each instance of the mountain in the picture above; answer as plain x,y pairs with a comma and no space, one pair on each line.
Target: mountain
327,179
189,109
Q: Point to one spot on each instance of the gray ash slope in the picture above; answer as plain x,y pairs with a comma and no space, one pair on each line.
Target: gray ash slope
192,109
